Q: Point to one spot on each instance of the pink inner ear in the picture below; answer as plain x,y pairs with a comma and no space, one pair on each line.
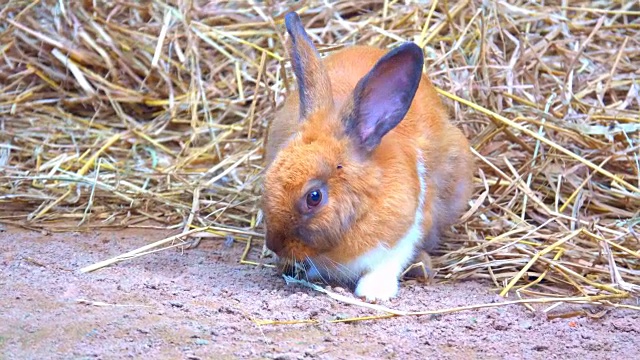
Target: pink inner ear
384,95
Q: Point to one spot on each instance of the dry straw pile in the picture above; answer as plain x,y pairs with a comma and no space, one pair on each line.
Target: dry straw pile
114,113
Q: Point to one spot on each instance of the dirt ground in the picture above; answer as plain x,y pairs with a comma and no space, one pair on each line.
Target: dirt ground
199,304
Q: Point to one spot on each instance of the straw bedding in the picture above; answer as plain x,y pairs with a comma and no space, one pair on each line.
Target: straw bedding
116,113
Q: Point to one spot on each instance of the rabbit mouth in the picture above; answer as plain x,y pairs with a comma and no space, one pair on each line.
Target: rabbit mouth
318,269
293,268
297,269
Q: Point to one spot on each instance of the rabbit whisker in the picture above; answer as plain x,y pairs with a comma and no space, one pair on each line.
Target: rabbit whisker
345,273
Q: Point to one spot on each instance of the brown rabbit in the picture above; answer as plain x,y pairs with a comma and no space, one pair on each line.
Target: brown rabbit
364,168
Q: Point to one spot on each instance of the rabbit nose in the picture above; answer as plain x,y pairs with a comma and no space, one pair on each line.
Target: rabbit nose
274,242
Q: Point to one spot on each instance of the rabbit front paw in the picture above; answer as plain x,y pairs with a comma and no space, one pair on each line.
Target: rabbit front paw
376,286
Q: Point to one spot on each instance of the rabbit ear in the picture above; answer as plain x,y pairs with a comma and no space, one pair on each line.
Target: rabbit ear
382,98
313,81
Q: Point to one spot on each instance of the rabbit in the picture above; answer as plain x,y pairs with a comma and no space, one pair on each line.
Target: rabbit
363,169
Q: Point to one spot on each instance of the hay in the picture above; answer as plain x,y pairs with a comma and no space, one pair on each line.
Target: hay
388,312
122,114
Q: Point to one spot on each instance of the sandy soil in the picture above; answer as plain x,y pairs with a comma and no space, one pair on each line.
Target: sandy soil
198,304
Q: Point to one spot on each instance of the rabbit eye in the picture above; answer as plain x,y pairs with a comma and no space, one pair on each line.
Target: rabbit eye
314,197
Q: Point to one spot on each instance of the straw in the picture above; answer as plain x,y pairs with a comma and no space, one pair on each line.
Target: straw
153,115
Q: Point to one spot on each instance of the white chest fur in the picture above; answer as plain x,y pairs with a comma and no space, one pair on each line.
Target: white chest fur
383,265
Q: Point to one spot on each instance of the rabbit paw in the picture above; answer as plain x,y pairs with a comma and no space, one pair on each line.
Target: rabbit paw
377,287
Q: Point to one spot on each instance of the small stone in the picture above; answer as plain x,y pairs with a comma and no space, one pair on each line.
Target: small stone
526,324
176,304
282,356
540,347
500,325
151,286
202,342
342,316
228,242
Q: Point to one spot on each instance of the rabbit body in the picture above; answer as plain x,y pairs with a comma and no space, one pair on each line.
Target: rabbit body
363,168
